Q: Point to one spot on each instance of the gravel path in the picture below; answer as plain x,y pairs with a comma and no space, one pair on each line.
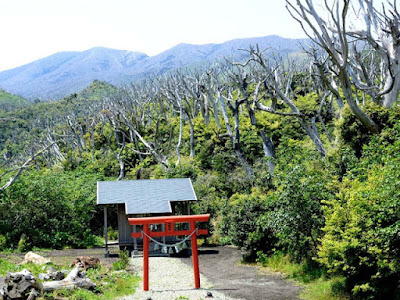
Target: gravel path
170,278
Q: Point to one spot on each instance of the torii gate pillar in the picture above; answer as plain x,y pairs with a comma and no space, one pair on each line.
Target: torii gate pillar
169,222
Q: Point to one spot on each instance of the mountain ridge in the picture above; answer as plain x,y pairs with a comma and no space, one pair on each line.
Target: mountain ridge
63,73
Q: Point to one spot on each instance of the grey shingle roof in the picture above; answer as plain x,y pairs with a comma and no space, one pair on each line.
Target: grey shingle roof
145,196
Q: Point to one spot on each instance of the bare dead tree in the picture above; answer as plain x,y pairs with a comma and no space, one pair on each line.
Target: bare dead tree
381,31
76,129
182,92
28,163
326,76
241,79
178,145
234,103
210,92
8,119
119,139
91,120
136,107
268,145
189,100
172,91
330,34
277,83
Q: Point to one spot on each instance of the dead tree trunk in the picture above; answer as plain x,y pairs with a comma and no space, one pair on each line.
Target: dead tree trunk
236,140
192,151
18,285
180,134
269,151
268,145
70,282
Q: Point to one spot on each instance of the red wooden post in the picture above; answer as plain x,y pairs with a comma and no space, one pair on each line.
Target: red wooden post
146,258
195,256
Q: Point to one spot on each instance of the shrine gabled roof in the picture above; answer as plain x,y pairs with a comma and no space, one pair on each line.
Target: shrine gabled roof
145,196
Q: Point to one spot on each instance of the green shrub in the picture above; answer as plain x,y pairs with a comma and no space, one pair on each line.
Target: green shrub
112,234
296,216
122,262
362,231
53,209
23,245
3,242
355,134
240,223
186,169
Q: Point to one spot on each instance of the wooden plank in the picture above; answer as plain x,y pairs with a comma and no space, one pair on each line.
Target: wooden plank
124,228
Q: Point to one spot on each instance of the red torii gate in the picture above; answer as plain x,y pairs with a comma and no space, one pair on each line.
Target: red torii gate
169,222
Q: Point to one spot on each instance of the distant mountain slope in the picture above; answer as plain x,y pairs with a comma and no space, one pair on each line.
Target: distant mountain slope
63,73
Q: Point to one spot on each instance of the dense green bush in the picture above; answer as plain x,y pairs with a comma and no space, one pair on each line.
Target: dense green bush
296,216
240,223
50,209
354,134
362,231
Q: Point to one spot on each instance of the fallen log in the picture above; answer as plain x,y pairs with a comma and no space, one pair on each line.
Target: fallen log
70,282
32,295
56,275
19,285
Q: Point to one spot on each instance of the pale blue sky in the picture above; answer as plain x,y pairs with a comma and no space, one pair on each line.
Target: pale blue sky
31,29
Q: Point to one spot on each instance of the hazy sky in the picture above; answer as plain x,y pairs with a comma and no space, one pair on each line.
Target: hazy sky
31,29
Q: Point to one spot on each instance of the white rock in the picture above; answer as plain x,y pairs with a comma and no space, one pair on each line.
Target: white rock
37,259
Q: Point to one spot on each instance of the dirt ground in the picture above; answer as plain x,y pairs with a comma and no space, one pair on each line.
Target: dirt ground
221,265
66,256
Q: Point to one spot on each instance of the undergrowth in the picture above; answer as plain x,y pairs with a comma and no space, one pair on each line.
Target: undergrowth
316,283
123,261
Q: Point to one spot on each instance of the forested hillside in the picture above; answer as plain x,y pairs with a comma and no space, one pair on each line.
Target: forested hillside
10,102
295,158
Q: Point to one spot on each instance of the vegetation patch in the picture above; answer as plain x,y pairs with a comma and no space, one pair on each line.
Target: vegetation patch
110,284
316,283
